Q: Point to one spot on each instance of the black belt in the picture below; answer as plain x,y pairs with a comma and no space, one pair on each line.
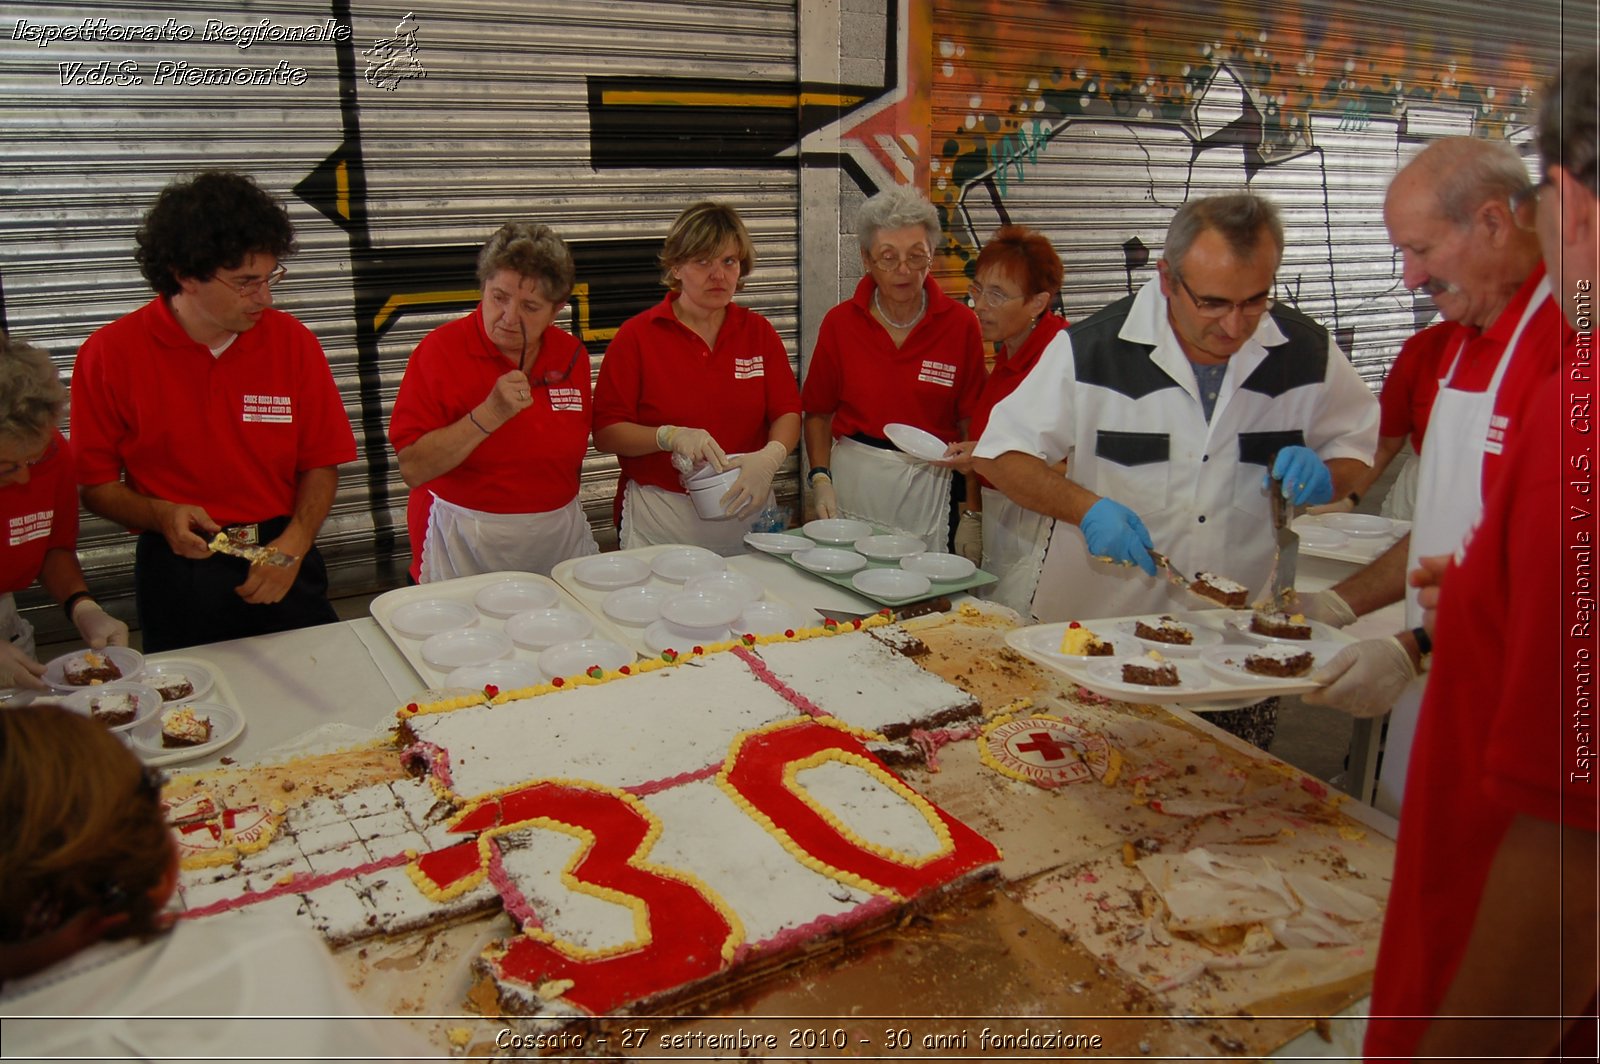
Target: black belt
872,441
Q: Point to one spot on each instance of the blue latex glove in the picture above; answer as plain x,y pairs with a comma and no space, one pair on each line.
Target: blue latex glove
1306,481
1114,531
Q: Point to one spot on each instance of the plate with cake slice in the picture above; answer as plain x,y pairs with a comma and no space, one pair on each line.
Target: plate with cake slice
1274,668
1276,626
1065,643
1174,636
91,668
120,705
185,732
178,679
1149,677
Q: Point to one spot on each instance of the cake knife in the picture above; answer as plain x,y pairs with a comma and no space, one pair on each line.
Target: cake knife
1286,546
225,544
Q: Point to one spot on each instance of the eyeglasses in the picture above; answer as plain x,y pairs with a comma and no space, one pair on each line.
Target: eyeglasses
1209,307
890,261
1522,197
989,297
251,287
551,377
10,469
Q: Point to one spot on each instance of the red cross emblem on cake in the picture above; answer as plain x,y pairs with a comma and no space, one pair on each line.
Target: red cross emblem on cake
1045,751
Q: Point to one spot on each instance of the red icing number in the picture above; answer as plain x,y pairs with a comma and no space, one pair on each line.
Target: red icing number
757,774
687,932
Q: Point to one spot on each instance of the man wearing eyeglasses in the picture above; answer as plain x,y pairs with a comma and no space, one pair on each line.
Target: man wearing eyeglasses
209,409
1173,406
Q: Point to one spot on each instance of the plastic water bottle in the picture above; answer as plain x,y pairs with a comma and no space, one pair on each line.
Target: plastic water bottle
771,519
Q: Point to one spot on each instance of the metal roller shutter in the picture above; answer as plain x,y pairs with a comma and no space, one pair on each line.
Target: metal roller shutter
397,149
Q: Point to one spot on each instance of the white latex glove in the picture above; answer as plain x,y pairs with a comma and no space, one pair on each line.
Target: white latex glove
19,670
98,628
756,470
969,536
690,448
826,498
1327,606
1364,678
1337,506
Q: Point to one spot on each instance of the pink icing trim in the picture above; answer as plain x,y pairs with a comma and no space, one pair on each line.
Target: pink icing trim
815,929
436,759
297,885
512,899
644,790
929,742
761,672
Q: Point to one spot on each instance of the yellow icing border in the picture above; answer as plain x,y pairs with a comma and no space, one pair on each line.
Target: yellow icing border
229,848
641,918
637,668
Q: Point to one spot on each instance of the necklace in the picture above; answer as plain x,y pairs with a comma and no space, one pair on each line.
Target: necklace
921,310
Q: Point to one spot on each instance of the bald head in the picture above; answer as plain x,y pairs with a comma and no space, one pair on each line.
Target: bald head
1459,214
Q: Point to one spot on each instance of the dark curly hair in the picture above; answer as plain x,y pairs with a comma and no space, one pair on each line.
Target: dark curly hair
210,223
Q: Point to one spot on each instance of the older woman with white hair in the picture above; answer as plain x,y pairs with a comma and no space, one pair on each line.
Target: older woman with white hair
898,351
39,505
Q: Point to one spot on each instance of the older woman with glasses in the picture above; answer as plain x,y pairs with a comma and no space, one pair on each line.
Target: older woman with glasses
1018,276
90,866
39,505
492,421
697,380
898,351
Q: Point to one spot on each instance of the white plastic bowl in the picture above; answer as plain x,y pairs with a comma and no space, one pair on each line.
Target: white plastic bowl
733,585
700,610
707,495
939,567
538,629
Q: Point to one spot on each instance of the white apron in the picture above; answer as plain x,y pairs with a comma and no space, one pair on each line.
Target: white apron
465,542
893,491
652,516
1014,540
1400,504
16,630
1449,503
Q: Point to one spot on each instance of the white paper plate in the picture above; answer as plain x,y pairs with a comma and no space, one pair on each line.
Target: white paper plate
1227,663
888,548
636,606
1321,538
506,675
1106,677
776,542
737,586
607,572
916,442
891,583
683,563
226,725
506,597
465,646
1123,632
158,673
830,560
1045,641
939,567
701,609
539,629
147,701
131,662
768,618
838,530
661,636
1358,524
428,617
577,658
1239,621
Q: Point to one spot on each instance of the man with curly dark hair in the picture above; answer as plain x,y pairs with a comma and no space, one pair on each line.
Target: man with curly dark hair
209,409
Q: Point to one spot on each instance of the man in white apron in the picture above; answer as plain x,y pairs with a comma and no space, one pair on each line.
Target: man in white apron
1478,257
1174,405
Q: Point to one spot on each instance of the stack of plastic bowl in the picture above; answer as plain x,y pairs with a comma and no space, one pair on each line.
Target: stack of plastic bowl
706,488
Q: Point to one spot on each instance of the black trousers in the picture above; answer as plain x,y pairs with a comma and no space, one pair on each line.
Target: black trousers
184,602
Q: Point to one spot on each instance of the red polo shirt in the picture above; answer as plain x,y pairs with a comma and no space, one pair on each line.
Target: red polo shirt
39,516
931,382
529,465
1412,381
659,371
1008,371
230,433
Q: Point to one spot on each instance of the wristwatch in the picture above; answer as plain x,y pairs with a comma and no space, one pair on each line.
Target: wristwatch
818,470
1424,648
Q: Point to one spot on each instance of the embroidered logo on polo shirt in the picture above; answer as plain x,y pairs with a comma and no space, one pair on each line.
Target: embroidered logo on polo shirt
937,373
26,528
746,368
277,409
1495,441
566,399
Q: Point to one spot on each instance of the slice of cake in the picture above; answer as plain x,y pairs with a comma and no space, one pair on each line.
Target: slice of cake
89,669
1279,660
114,710
174,687
1080,642
184,727
1280,625
1152,670
1220,589
1164,629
